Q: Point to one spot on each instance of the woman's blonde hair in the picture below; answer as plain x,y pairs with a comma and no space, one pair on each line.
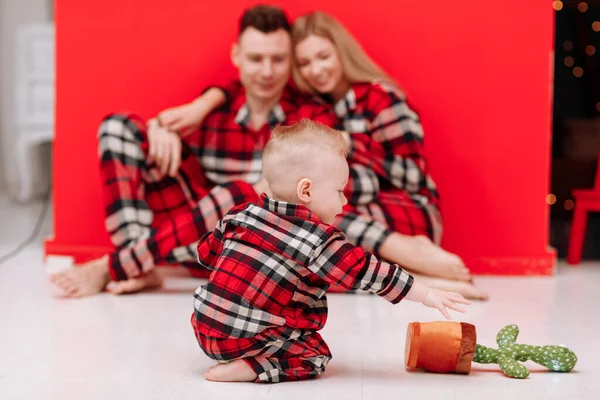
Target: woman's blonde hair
358,66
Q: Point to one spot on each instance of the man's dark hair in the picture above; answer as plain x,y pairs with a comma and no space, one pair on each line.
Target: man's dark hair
264,18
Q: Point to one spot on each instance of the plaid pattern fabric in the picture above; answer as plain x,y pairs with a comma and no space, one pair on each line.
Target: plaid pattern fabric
368,225
302,355
155,220
389,168
271,265
231,150
389,188
363,184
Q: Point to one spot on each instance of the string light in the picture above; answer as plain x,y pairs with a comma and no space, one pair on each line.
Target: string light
578,72
596,26
590,50
569,61
557,5
568,45
550,199
582,7
569,205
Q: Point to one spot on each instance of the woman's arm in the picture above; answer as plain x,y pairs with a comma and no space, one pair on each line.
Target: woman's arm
363,185
393,147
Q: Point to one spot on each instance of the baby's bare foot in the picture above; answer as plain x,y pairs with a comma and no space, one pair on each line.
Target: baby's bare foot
150,280
235,371
84,280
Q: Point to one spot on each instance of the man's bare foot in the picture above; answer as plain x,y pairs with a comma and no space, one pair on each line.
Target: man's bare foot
467,289
150,280
235,371
84,280
420,255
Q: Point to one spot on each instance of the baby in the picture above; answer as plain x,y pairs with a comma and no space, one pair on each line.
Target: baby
261,310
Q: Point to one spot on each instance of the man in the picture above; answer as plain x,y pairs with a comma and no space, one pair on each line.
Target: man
163,189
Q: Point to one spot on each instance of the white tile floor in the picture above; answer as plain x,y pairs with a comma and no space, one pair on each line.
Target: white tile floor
142,346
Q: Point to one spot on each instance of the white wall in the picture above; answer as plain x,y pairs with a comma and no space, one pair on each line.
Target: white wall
12,14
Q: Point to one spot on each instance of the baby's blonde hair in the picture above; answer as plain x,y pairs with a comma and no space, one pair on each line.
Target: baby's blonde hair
300,151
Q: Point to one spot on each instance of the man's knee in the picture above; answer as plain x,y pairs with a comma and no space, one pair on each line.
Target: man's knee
126,126
122,132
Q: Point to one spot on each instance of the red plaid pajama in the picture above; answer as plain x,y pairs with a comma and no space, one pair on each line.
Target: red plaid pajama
265,299
300,356
155,220
389,189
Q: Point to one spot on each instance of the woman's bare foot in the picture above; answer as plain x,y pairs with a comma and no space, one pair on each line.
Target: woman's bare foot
421,255
235,371
150,280
467,289
84,280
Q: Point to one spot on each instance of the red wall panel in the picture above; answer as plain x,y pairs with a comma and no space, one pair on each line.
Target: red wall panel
478,72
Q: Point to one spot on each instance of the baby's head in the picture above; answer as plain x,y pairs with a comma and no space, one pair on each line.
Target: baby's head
305,163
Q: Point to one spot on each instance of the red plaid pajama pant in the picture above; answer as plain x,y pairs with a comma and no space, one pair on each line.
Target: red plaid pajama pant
275,354
151,219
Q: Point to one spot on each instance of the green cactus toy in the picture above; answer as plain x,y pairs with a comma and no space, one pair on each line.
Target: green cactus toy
556,358
452,346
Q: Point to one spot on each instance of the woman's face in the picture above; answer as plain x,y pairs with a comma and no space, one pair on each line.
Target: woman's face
319,64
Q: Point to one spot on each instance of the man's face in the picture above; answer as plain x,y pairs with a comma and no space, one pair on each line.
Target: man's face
264,62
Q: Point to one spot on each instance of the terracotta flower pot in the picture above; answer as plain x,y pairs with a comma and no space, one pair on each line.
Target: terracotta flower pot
440,346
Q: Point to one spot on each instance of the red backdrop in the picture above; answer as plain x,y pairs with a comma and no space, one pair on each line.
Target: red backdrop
479,73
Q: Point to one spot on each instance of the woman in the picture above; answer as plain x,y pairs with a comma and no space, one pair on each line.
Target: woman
393,202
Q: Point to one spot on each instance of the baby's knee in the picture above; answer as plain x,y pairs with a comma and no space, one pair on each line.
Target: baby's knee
319,364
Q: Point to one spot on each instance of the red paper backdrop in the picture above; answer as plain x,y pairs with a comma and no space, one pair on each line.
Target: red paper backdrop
479,73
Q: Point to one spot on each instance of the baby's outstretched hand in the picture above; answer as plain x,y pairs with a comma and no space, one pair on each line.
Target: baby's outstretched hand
444,300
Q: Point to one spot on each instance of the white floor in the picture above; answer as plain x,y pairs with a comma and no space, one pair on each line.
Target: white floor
142,346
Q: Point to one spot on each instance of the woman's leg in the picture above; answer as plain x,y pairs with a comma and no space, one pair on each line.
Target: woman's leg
419,254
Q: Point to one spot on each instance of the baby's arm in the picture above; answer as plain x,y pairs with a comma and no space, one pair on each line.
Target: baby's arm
340,263
210,247
435,298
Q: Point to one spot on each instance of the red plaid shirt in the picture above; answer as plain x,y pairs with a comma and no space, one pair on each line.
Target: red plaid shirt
230,150
271,265
387,143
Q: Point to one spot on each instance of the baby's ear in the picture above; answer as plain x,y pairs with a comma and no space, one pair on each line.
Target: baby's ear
304,190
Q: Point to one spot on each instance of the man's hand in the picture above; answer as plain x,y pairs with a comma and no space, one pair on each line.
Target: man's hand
164,148
444,300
